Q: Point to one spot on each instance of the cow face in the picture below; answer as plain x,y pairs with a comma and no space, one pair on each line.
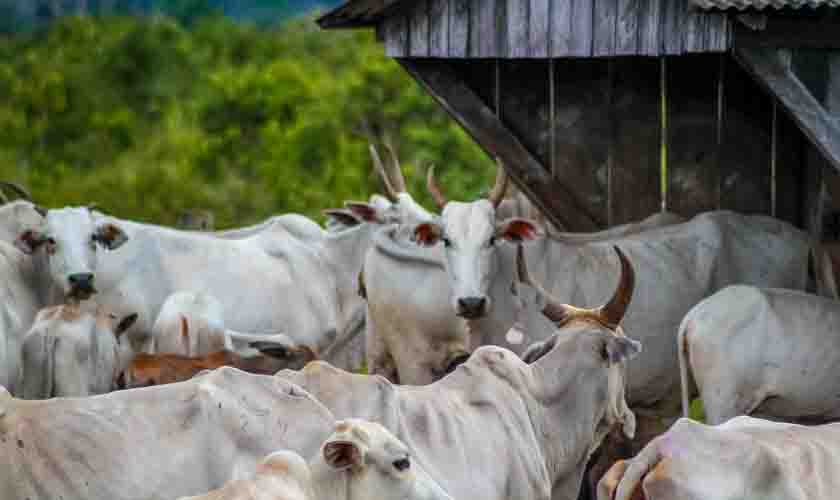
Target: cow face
72,239
470,236
378,464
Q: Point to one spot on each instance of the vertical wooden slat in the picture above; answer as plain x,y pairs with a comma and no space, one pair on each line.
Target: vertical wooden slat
438,28
552,116
649,27
719,32
396,36
674,14
497,88
603,32
663,132
539,28
419,29
459,27
613,138
693,36
561,27
627,27
487,28
517,28
720,123
774,140
580,41
475,32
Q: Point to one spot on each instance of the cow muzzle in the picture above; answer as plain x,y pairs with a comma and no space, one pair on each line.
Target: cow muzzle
81,286
471,307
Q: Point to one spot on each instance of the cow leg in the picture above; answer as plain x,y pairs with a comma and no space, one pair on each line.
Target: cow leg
379,359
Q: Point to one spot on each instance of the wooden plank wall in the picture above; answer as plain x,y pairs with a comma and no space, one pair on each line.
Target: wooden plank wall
606,133
552,28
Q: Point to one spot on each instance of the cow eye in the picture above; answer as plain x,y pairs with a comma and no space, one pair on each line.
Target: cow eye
50,245
402,464
446,242
492,241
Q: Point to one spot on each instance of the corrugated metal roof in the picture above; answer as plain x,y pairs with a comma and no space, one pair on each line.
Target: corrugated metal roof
763,4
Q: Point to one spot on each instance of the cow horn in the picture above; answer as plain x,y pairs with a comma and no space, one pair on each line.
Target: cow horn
380,169
3,198
613,311
396,168
18,190
498,193
434,188
554,310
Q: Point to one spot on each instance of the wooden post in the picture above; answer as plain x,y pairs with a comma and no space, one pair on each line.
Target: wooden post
612,140
552,110
774,132
719,124
663,134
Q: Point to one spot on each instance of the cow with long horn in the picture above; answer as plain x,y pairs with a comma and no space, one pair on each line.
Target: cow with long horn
17,189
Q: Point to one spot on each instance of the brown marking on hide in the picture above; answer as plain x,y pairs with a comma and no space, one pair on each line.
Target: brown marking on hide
342,427
65,312
657,483
276,464
185,332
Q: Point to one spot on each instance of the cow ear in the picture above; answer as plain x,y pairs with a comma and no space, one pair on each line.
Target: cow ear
342,454
342,216
110,236
125,324
364,211
517,230
618,349
427,234
29,241
537,350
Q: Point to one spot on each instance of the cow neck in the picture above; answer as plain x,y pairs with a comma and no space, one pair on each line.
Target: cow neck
570,433
344,252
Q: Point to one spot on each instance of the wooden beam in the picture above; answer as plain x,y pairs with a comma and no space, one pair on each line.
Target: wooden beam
555,200
791,34
769,69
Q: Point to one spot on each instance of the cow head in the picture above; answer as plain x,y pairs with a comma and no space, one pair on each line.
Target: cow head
377,464
470,235
594,339
72,239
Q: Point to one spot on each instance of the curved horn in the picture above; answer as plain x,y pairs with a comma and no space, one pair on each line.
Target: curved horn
613,311
3,198
380,169
498,193
554,310
434,189
396,168
18,190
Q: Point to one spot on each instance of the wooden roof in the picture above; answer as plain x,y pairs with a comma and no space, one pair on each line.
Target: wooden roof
763,4
536,28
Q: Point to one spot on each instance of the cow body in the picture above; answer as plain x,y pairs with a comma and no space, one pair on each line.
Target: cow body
19,303
768,352
360,460
70,352
268,282
742,459
547,416
155,443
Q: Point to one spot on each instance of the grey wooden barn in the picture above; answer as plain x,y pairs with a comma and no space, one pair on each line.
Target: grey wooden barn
605,111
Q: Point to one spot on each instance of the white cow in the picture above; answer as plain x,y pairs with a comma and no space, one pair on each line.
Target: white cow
743,459
154,443
677,266
360,461
19,303
269,282
498,428
70,352
769,352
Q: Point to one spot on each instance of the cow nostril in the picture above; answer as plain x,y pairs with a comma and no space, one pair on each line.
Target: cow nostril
472,304
81,279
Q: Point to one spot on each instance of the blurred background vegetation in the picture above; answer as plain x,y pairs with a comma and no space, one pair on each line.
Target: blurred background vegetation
151,112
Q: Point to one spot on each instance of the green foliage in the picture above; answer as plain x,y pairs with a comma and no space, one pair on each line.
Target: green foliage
147,118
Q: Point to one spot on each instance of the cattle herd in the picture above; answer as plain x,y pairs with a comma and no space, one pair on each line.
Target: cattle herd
507,359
